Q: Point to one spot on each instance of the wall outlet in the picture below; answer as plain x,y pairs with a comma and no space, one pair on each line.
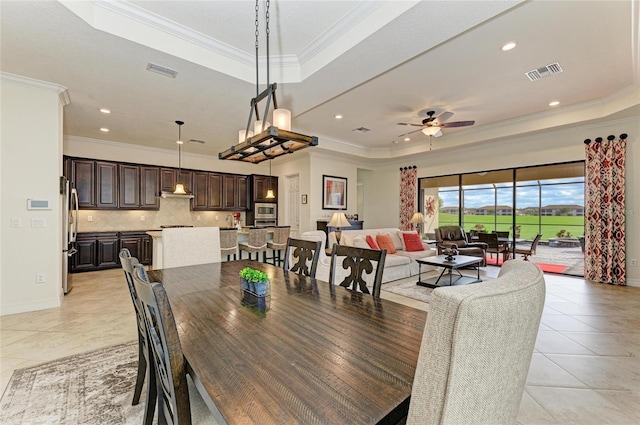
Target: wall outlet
142,218
634,263
41,277
89,218
198,217
217,218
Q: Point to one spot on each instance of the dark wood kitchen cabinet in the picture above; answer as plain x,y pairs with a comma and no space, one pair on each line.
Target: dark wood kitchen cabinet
96,251
106,185
138,244
259,187
83,177
215,191
149,188
200,184
168,179
234,192
139,187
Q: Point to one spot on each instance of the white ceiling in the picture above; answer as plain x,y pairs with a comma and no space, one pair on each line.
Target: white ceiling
375,62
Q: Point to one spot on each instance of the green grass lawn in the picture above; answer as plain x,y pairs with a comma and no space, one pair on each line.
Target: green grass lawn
550,225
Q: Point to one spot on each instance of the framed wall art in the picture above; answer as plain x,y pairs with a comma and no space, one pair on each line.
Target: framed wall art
334,193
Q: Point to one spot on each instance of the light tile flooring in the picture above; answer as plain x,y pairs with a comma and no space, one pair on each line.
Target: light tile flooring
585,368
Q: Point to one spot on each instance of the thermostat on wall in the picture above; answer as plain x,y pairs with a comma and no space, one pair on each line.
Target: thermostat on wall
38,204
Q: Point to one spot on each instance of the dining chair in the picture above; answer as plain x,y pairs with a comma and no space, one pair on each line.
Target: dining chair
229,243
476,349
358,261
494,246
278,243
531,250
128,262
165,350
501,234
257,242
307,254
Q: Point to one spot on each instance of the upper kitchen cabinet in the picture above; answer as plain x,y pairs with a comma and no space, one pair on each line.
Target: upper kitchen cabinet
83,176
234,192
168,179
259,187
106,185
139,187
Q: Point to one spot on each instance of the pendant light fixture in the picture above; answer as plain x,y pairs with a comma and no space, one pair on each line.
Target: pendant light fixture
260,140
270,194
179,186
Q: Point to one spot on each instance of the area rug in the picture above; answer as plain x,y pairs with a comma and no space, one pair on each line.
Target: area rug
551,268
409,289
89,388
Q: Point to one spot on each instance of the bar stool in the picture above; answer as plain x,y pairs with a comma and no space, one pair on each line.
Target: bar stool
257,242
229,243
279,243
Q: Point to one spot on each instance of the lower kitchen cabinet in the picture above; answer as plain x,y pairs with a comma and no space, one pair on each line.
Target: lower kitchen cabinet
100,250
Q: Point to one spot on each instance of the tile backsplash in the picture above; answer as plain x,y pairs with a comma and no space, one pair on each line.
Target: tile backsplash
172,211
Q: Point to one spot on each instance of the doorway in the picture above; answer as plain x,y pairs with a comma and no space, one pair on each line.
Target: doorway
292,207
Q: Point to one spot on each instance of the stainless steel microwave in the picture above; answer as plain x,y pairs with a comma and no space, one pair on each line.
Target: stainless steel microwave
265,211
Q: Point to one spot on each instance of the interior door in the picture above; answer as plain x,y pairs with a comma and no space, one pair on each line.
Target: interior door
292,209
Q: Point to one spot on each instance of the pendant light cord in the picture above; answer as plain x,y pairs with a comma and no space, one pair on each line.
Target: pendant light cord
257,62
267,30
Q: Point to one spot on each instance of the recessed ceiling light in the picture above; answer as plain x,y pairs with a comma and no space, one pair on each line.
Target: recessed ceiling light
104,130
338,117
407,139
554,103
105,111
509,46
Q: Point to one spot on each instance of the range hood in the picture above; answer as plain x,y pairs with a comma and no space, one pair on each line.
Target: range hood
167,194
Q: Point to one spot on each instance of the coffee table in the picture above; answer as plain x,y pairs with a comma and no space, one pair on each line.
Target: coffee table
456,263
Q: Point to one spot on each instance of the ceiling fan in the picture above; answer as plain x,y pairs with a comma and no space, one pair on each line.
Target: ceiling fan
431,126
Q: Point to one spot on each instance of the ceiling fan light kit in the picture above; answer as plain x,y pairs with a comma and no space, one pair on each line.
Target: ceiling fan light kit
266,141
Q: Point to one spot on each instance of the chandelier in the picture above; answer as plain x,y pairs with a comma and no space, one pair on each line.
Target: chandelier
260,140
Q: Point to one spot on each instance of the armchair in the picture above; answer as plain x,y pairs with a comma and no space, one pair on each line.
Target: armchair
449,235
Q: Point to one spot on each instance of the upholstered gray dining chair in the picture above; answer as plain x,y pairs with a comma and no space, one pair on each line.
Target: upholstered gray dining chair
128,262
358,261
476,349
306,253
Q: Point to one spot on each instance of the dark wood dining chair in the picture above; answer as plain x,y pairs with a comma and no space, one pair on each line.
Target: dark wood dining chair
501,234
307,254
256,242
530,250
358,261
128,262
278,243
494,246
164,350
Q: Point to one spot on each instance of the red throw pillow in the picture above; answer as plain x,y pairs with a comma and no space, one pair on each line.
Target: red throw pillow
385,242
372,243
412,242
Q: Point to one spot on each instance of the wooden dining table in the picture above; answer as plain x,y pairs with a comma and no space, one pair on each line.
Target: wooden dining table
320,354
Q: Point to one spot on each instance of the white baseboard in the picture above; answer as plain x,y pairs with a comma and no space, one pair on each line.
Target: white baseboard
30,306
633,282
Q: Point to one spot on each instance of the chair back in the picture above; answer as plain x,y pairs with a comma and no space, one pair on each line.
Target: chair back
165,350
306,253
128,262
534,244
476,349
491,239
359,261
257,238
501,234
281,235
228,239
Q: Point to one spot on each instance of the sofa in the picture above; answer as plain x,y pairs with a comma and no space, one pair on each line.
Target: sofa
398,265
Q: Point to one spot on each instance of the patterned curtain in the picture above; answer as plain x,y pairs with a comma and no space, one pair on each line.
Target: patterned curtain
605,246
408,195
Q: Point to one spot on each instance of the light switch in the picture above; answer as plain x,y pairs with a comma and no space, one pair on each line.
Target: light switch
38,222
16,222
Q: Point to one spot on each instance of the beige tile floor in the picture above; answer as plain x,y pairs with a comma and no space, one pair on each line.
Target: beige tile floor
585,368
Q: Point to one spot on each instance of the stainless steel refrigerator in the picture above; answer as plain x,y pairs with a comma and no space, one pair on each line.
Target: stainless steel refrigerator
69,229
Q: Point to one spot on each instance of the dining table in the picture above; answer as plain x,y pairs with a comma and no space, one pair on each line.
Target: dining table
316,354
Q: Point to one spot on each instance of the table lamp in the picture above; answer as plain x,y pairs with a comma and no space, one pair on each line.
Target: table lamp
418,219
339,220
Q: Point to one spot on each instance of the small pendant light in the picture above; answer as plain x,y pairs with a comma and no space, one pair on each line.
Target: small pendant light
179,186
270,194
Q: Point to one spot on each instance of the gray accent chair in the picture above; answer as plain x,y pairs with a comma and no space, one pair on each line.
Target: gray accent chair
476,349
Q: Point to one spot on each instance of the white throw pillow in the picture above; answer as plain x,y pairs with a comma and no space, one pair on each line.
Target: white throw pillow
396,238
361,242
347,240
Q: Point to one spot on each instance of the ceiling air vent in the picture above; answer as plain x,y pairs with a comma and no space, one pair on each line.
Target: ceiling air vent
360,130
545,71
162,70
196,141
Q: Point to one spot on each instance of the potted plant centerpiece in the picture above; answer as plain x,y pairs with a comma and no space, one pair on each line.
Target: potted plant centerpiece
255,287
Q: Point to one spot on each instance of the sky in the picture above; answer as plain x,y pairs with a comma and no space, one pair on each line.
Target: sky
527,194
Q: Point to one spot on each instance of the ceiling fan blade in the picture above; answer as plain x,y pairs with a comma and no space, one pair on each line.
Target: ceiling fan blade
457,124
411,132
443,117
409,123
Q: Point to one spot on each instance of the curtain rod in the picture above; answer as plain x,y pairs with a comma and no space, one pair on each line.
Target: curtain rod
611,137
408,168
